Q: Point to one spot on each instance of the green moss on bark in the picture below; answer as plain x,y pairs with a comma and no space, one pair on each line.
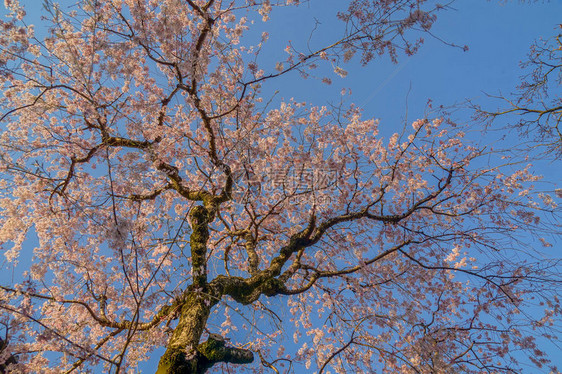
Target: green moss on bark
198,243
174,361
212,349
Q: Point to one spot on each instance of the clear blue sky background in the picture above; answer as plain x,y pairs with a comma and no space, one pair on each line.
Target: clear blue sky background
498,36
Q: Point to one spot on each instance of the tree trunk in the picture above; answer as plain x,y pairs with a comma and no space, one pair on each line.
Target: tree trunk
184,354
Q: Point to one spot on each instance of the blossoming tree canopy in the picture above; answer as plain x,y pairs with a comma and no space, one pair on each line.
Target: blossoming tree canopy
157,206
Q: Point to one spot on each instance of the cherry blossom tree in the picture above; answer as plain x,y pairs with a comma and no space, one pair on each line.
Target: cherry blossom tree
172,212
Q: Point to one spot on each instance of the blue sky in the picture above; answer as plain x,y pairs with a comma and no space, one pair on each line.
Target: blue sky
498,37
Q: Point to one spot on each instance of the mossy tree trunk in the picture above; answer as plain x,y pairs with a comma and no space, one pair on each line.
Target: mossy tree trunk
184,354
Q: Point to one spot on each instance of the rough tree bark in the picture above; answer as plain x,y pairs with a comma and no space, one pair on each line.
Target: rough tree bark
184,353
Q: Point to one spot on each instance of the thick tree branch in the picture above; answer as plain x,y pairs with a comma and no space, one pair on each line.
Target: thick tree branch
269,282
